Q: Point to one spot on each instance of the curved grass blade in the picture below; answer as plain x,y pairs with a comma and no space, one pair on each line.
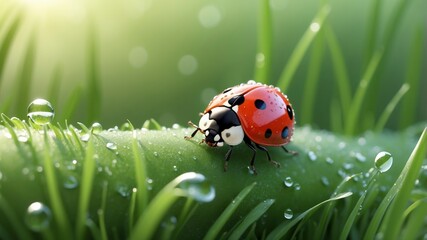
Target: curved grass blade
411,169
88,173
359,97
94,91
390,107
265,37
140,173
302,47
405,183
222,219
252,217
71,102
415,221
280,231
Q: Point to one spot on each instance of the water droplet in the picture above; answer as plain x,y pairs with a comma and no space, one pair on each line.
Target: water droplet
297,186
111,146
360,157
175,126
175,168
123,190
38,216
315,27
288,182
138,57
209,16
156,154
361,141
23,137
347,166
187,65
312,156
96,127
329,160
325,181
383,161
288,214
40,112
196,186
70,182
85,137
149,184
194,158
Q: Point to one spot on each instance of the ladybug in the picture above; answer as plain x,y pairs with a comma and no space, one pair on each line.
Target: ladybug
253,113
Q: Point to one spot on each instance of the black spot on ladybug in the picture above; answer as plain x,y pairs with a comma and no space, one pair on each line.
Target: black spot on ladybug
290,112
226,90
268,133
285,132
236,100
260,104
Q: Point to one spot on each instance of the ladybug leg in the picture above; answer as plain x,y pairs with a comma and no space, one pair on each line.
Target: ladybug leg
227,157
195,131
262,148
293,153
251,146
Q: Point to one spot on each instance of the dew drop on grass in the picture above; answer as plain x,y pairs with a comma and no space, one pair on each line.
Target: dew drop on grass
312,156
383,161
288,214
70,182
123,190
40,112
175,168
325,180
111,146
329,160
38,216
96,127
196,186
288,182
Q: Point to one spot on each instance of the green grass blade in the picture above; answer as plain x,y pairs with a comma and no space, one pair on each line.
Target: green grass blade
409,169
56,202
93,87
340,69
88,174
280,231
372,30
405,183
101,212
222,219
140,173
390,107
302,47
415,221
359,97
71,103
55,84
11,217
252,217
263,59
414,66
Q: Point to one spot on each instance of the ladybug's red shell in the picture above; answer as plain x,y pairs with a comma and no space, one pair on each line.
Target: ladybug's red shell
266,115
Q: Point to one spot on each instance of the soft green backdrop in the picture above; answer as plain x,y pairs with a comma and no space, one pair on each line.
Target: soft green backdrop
166,59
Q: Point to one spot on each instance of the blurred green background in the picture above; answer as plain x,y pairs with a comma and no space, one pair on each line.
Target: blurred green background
166,59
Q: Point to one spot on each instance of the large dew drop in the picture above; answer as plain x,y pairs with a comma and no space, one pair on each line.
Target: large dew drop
383,161
196,186
40,112
38,216
288,214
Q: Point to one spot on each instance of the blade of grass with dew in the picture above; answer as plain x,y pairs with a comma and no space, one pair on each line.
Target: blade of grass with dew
359,97
226,214
132,211
405,183
263,61
54,88
413,77
280,231
56,202
23,84
390,107
371,232
340,69
140,172
313,74
88,174
93,87
251,218
150,218
11,217
300,50
415,221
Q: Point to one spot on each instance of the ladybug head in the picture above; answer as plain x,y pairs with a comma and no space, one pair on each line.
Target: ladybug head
220,125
